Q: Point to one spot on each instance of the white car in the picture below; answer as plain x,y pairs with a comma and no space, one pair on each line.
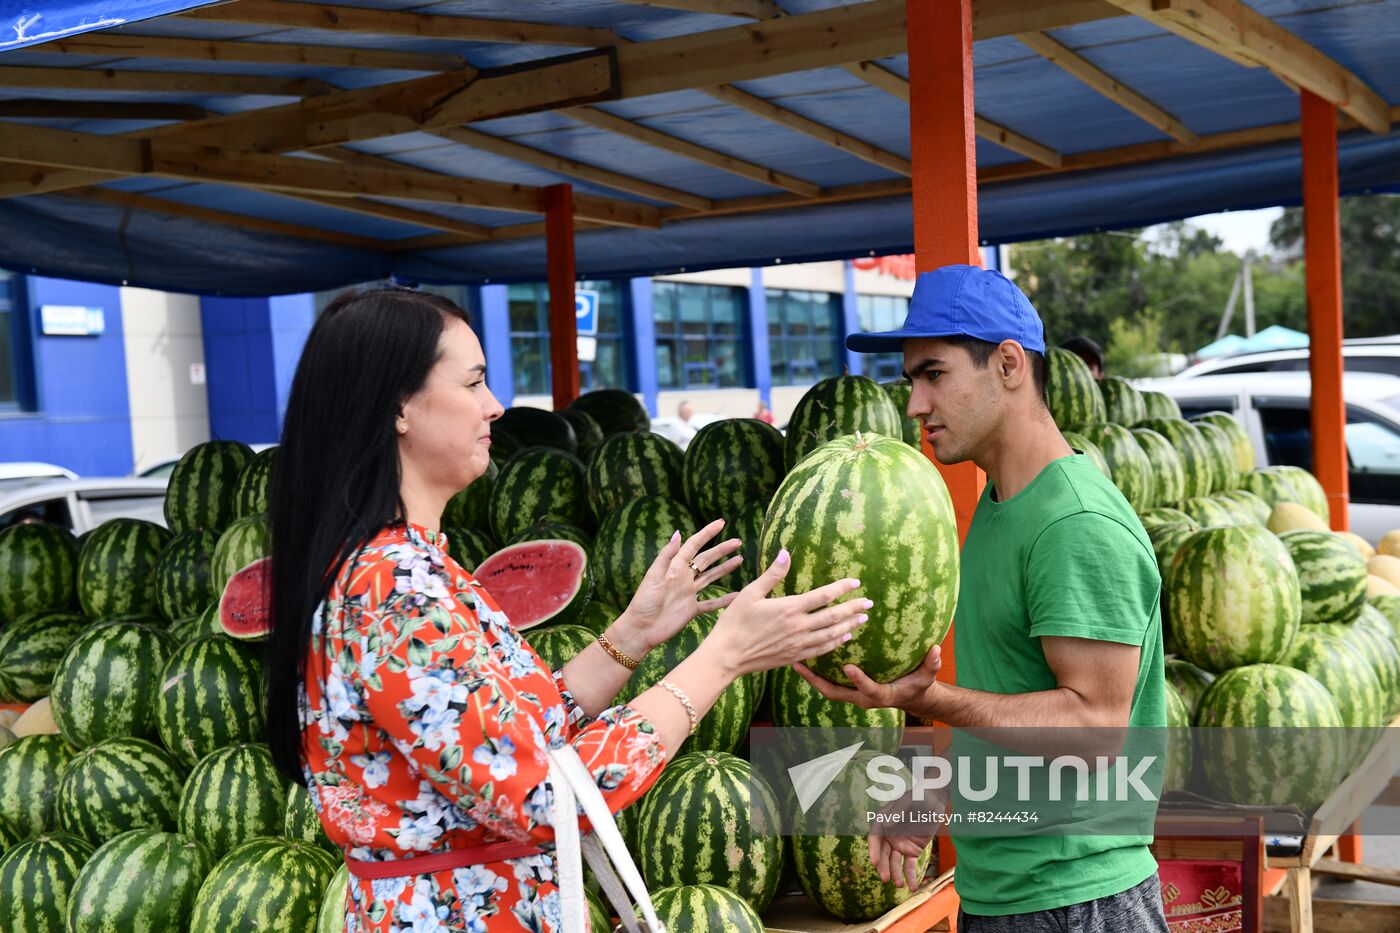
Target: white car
1366,355
19,475
83,504
1274,408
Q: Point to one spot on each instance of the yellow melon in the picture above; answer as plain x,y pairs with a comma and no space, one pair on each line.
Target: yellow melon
1288,516
37,720
1390,544
1386,567
1379,586
1363,547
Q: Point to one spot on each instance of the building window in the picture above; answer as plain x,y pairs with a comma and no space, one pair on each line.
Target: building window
879,313
699,335
802,336
9,344
529,340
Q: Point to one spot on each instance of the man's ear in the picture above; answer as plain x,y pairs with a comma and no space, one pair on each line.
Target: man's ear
1011,359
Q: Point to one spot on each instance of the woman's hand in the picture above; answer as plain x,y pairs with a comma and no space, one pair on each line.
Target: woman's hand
667,598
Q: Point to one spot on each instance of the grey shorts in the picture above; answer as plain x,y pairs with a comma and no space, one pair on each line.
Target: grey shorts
1136,910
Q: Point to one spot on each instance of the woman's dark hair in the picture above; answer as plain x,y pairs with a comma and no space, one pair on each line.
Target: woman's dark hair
335,481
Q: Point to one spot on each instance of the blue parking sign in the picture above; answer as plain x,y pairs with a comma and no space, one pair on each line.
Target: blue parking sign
586,310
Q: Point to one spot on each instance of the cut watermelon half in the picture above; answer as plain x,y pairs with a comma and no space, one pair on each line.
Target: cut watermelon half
538,582
245,608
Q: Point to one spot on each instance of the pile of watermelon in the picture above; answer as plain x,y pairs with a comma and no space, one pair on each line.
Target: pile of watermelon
1271,620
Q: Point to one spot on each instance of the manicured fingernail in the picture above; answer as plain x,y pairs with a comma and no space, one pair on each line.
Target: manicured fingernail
855,584
675,536
862,618
783,557
869,604
846,637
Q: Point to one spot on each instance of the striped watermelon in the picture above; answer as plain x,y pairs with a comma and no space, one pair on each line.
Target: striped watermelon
184,582
836,872
119,785
1387,605
210,697
1256,507
1383,655
108,682
267,885
746,525
899,392
553,531
38,569
538,582
1197,459
630,465
1166,541
143,880
469,547
1344,671
30,771
557,645
597,916
1310,492
1178,773
1225,472
850,508
1164,463
1331,574
586,431
597,616
252,491
1070,387
704,908
300,822
711,819
1079,442
1128,466
1208,512
30,649
1160,405
9,835
1189,681
117,567
1240,443
1123,403
1163,516
837,407
1274,488
233,795
202,492
471,508
331,918
628,541
526,427
731,464
615,410
243,542
1234,597
1241,512
205,622
797,704
538,483
36,882
1298,761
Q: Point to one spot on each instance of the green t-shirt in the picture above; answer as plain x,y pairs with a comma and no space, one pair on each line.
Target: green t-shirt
1065,557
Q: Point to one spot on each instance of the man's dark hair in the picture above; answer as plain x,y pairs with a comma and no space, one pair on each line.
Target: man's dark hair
1086,349
981,352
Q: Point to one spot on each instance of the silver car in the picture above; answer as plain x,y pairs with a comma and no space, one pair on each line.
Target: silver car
83,504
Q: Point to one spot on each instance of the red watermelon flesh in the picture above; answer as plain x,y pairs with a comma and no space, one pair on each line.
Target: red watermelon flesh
535,582
245,608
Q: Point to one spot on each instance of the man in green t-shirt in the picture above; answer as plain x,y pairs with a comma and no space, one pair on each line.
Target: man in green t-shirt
1058,621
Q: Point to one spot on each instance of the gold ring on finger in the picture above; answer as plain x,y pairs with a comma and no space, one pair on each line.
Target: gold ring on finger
696,570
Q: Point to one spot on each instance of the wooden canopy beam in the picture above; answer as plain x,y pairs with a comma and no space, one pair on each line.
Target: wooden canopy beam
1234,29
45,108
992,18
1086,71
116,45
162,82
396,23
750,9
459,229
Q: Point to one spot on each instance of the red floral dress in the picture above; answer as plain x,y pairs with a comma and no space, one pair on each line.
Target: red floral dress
424,720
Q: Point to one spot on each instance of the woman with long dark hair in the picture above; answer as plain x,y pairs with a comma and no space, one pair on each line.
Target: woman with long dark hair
396,689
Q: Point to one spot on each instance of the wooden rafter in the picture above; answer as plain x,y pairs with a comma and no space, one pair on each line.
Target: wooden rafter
750,9
877,75
1066,58
48,109
163,82
396,23
116,45
1234,29
459,229
993,18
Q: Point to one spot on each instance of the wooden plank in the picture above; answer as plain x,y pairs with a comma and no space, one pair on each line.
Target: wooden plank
1107,85
808,127
116,45
865,191
1248,36
49,109
1024,145
1334,916
396,23
1334,868
460,230
750,9
41,145
682,147
881,77
992,18
161,82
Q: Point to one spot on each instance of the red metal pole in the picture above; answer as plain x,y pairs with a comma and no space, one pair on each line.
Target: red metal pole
558,206
1322,233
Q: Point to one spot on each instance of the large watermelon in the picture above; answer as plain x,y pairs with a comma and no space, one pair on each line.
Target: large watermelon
204,622
301,823
1241,513
871,507
469,547
203,487
1166,541
471,508
1123,403
711,819
1344,671
1234,597
628,541
116,786
252,493
1160,405
30,771
265,885
184,580
141,880
1197,459
1225,472
233,795
538,582
836,872
247,540
731,464
331,918
1178,773
631,465
108,682
615,410
704,908
1271,486
586,431
1309,490
1071,390
1331,574
1079,442
1208,512
30,649
1388,606
1240,443
746,525
1258,509
1165,466
117,567
210,697
538,483
1163,516
900,391
38,569
797,704
1128,466
1381,653
597,616
528,427
1189,681
836,407
557,645
36,882
550,531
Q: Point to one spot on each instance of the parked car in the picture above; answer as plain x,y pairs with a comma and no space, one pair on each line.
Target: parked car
1366,355
1274,408
163,468
17,475
83,504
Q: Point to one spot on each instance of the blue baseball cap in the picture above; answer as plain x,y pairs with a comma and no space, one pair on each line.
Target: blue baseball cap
961,301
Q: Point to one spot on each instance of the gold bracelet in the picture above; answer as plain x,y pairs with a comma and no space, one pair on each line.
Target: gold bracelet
616,655
685,701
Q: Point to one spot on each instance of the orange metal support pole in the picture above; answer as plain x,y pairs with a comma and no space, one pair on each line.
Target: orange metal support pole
1322,243
558,207
943,146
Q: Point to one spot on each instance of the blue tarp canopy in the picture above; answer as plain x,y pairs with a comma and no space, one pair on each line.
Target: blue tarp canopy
124,150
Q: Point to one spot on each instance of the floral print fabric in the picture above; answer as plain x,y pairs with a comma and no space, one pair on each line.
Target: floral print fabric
425,719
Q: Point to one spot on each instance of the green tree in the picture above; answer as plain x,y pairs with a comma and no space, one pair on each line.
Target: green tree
1135,346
